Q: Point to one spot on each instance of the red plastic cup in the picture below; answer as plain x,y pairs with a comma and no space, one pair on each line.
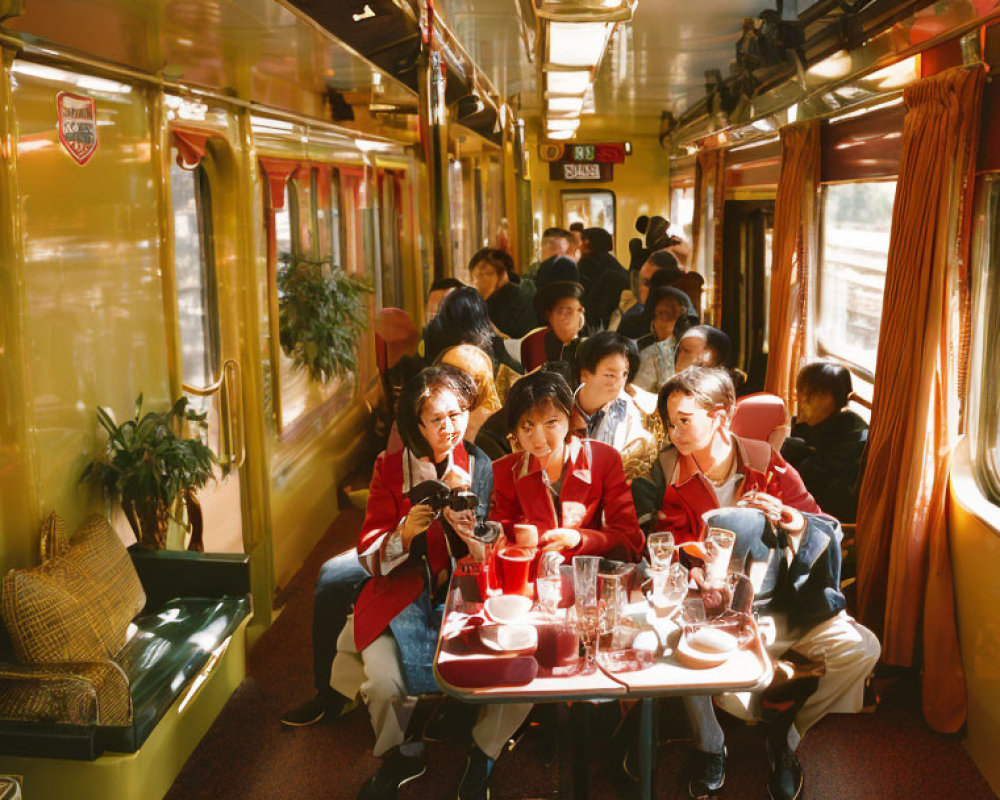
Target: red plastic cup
514,569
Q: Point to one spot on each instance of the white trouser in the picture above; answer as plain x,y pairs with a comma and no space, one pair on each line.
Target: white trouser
496,724
849,651
376,674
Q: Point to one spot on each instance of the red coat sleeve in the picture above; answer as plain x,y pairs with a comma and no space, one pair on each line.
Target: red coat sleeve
678,517
786,484
386,507
620,536
506,507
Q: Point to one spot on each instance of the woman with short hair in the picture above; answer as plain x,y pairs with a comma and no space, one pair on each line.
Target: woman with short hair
559,306
385,651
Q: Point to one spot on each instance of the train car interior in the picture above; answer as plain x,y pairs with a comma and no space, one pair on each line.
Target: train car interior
253,249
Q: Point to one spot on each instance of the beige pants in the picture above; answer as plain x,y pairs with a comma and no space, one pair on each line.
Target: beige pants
375,673
849,651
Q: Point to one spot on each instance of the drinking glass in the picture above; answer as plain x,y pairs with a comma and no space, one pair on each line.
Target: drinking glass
587,616
609,606
670,587
718,550
661,550
548,583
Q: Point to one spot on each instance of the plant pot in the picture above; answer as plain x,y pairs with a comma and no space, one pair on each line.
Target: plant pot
149,521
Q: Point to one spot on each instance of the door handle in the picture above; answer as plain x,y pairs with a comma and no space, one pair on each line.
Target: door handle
228,386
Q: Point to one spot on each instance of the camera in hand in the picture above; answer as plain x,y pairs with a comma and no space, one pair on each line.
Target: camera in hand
439,496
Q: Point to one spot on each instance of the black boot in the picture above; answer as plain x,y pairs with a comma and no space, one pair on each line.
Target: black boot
785,781
323,705
475,783
707,773
396,769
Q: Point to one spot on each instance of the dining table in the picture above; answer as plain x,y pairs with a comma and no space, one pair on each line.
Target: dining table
666,674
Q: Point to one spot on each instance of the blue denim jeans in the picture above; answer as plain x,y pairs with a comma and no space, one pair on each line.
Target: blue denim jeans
337,586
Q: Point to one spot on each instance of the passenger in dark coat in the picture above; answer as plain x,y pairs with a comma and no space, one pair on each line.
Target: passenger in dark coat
509,305
555,269
827,441
560,305
603,278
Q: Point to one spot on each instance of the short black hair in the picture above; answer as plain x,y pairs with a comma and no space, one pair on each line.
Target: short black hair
576,227
550,294
600,240
556,233
499,260
442,284
596,348
825,376
418,390
642,223
665,261
535,390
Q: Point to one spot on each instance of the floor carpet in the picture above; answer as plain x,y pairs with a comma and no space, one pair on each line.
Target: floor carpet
248,755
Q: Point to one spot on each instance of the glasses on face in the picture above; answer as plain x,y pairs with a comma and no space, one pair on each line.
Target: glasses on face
565,312
438,421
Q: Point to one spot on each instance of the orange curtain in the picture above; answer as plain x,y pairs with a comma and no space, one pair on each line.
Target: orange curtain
791,252
905,582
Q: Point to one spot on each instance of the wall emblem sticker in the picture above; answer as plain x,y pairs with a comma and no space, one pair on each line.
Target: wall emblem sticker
77,125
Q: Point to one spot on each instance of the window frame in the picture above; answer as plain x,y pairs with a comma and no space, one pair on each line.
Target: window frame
564,193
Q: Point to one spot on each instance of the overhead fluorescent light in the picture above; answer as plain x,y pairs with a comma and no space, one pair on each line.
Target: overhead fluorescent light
578,44
562,124
836,66
566,104
572,82
561,134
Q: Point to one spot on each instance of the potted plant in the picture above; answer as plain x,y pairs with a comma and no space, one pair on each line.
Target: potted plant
321,315
150,468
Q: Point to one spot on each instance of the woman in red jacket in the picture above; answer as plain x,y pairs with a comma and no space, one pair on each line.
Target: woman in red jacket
574,491
707,466
385,650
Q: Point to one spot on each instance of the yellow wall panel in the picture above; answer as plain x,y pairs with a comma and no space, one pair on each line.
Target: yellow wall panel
94,330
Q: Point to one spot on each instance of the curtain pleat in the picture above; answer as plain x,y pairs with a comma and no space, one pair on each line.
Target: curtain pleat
904,567
791,252
710,172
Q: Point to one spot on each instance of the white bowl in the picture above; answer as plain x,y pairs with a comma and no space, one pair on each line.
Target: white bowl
509,638
508,608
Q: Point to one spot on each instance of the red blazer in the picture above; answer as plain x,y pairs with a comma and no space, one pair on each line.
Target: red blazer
692,495
384,596
594,495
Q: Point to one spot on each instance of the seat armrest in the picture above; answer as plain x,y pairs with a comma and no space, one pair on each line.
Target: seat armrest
166,574
82,693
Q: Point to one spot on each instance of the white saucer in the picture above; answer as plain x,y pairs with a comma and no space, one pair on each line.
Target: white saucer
698,658
509,638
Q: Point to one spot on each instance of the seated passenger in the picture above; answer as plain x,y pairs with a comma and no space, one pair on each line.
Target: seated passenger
556,263
485,417
670,315
508,303
463,319
633,323
436,295
559,306
544,485
603,278
705,346
385,650
827,440
709,468
603,410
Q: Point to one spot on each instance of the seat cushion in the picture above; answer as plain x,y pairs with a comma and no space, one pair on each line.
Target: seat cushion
76,605
169,648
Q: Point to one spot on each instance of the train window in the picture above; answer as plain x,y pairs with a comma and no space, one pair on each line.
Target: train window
194,273
984,403
283,224
595,209
682,211
857,218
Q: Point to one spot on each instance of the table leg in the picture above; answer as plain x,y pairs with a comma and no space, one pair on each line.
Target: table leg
582,715
647,748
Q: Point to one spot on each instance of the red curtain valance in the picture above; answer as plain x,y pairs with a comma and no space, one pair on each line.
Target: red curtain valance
278,171
190,144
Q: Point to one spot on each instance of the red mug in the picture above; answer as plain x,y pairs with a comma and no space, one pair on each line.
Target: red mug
514,569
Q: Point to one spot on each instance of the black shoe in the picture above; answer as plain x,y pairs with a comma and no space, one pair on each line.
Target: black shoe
396,770
708,774
475,783
785,781
324,704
